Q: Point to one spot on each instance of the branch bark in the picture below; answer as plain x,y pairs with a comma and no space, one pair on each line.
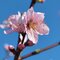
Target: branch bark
32,3
40,50
18,51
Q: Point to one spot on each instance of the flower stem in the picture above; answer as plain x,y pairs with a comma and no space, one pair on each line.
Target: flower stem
32,3
18,51
23,34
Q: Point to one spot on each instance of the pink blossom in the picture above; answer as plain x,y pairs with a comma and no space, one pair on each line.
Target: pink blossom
15,23
34,25
30,22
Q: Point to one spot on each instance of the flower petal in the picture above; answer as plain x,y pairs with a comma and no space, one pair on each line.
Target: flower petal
32,36
26,38
43,29
4,26
28,15
8,31
38,17
21,37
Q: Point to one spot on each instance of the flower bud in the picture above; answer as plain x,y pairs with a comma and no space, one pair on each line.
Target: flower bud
8,47
29,43
41,1
21,46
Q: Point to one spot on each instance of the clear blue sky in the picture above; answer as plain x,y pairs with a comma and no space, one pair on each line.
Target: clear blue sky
51,8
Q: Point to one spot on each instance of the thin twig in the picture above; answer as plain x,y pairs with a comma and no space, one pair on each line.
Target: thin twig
32,3
40,50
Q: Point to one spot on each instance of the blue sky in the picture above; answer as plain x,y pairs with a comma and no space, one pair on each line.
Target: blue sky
51,8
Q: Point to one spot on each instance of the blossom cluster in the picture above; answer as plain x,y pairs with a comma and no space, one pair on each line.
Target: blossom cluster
30,22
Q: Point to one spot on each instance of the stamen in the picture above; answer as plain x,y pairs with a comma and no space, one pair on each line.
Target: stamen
31,24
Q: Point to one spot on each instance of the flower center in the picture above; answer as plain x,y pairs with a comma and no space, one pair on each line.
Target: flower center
31,24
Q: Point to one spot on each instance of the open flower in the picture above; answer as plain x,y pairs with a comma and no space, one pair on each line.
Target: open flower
34,25
15,23
31,23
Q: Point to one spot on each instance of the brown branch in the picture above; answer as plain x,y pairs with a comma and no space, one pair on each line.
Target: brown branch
12,51
34,1
40,50
18,51
23,34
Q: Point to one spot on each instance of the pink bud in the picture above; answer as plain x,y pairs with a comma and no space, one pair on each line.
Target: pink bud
8,47
21,46
41,1
30,43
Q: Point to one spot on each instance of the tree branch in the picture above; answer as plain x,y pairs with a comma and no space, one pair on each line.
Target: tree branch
32,3
40,50
18,51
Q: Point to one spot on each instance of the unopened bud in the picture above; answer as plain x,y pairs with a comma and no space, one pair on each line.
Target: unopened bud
29,43
21,46
41,1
